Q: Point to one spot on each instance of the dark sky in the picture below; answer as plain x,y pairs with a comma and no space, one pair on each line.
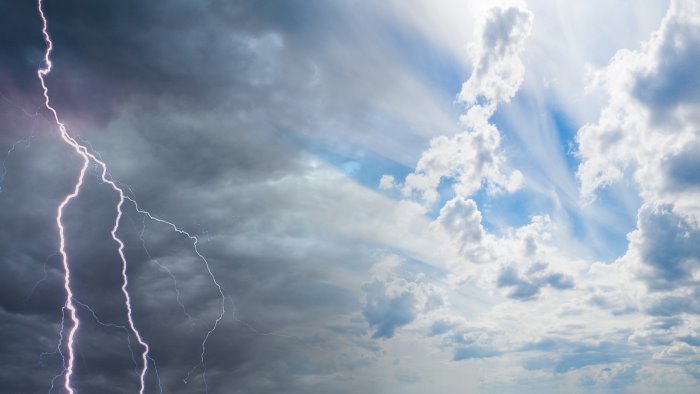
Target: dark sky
200,109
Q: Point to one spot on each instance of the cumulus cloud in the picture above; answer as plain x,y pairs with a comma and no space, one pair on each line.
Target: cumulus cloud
385,311
460,222
498,70
666,246
648,131
473,158
649,128
395,298
527,287
474,342
522,253
386,182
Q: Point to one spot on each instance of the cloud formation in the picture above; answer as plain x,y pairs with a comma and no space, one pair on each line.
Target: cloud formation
648,129
472,158
387,194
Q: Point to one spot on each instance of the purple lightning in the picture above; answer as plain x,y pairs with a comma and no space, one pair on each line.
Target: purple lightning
69,309
82,151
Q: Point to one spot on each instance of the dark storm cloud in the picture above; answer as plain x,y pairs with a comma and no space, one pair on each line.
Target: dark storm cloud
21,46
192,105
298,65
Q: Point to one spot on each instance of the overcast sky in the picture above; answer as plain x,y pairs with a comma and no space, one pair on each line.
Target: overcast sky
395,197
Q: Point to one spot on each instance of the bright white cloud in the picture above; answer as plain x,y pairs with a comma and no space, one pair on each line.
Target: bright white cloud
649,128
472,158
536,304
648,131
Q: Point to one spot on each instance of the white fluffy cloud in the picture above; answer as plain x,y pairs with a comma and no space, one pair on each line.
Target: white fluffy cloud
519,297
473,158
649,129
498,70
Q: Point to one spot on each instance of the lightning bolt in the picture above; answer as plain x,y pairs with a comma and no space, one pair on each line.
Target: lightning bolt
69,309
86,157
110,325
128,339
178,296
24,141
195,243
57,351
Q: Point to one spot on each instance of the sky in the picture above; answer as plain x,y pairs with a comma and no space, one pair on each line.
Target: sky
394,197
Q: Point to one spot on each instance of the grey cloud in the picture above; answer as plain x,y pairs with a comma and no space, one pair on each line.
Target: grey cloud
625,310
472,352
691,340
584,355
652,339
522,289
576,355
474,343
559,281
673,82
667,323
440,327
616,308
385,312
611,379
528,287
396,295
539,363
545,344
669,246
616,357
407,377
676,305
599,301
682,169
